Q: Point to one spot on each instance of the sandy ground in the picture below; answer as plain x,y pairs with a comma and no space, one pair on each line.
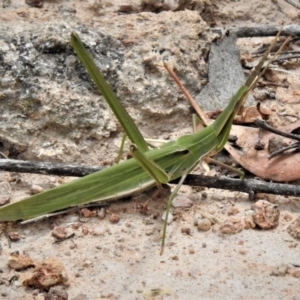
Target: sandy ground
104,259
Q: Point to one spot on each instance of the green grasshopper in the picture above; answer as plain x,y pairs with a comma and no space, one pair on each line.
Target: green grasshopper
147,168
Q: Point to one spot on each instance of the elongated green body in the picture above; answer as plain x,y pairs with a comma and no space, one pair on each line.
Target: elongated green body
121,180
176,158
152,168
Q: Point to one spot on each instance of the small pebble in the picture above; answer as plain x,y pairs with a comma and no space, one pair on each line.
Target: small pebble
269,197
204,225
210,217
71,218
19,262
59,232
294,229
282,269
57,293
87,213
261,95
232,211
287,217
75,225
231,225
17,283
249,222
35,189
186,230
99,230
14,236
87,263
274,272
296,274
191,250
114,218
52,182
101,213
72,246
84,230
266,215
204,195
149,231
182,200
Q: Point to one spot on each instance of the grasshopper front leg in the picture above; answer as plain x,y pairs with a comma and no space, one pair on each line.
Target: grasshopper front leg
160,176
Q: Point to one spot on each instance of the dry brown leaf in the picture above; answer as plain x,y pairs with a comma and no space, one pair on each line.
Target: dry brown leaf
282,168
247,115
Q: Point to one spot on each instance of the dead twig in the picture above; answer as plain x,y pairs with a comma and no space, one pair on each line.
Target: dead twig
46,168
246,185
263,125
260,31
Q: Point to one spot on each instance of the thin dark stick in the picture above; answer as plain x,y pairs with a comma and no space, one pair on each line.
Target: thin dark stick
286,57
265,30
249,186
246,185
46,168
262,124
288,30
282,150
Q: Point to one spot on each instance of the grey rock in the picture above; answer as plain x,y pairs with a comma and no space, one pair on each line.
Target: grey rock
51,110
225,74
